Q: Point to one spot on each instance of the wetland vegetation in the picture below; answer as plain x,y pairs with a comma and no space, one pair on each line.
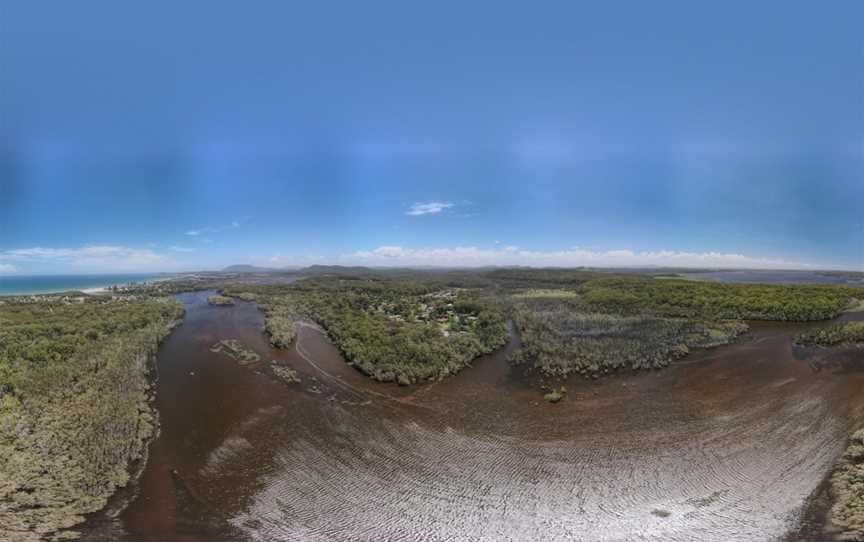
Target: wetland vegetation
414,326
846,333
847,488
559,340
286,374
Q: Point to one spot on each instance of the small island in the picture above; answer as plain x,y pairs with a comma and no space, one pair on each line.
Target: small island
220,300
237,351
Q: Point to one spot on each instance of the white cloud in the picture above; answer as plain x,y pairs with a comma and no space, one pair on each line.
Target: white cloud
394,256
102,257
7,268
193,233
176,248
428,208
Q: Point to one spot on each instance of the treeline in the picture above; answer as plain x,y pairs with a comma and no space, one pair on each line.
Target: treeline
74,405
695,299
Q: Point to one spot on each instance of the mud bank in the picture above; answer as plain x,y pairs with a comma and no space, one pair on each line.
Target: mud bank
726,445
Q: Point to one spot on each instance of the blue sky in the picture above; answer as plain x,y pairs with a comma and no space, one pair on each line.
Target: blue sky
174,136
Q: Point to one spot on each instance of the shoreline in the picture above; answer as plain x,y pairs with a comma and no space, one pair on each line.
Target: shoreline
104,519
98,288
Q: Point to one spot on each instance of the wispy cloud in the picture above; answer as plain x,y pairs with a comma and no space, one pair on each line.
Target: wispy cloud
109,257
201,231
394,256
7,268
428,208
176,248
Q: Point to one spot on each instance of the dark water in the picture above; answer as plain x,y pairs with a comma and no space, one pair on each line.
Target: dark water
42,284
726,445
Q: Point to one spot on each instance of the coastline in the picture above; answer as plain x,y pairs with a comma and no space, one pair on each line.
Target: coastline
96,291
86,284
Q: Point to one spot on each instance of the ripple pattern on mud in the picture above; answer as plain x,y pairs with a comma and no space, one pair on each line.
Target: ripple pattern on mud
732,480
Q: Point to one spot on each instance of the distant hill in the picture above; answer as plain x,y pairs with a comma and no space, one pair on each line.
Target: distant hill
335,270
311,270
249,269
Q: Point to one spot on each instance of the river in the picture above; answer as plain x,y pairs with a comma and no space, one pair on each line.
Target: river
727,444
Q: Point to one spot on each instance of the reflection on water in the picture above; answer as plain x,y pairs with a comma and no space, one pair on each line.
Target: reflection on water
724,446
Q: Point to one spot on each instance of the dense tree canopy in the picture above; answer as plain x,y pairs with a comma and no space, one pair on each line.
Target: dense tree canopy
390,329
74,403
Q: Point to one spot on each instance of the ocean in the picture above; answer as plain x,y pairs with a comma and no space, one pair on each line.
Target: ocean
43,284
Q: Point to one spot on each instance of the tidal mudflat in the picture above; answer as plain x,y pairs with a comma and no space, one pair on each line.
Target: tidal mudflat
727,444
